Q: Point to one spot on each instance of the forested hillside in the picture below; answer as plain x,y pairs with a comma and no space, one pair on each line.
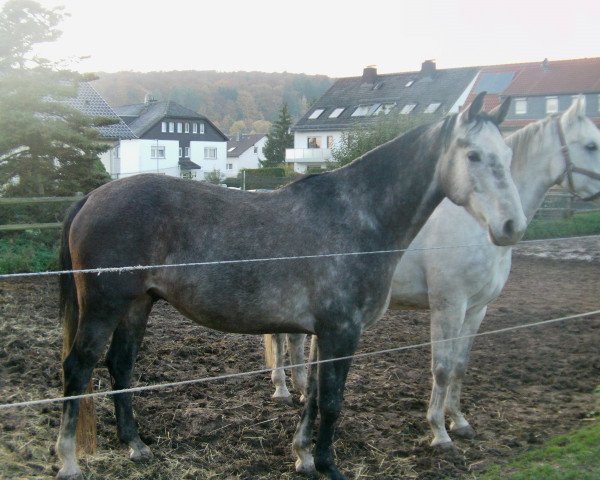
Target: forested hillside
235,101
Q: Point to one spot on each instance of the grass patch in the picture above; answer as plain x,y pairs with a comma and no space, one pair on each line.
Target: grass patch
579,224
572,456
29,251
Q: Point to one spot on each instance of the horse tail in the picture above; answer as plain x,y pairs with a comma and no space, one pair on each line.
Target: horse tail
69,312
269,357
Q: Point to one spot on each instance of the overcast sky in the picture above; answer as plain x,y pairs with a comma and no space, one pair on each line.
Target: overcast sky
331,37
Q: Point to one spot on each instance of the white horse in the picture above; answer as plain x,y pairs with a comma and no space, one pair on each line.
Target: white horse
457,285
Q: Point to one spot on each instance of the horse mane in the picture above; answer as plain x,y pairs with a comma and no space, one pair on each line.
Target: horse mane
522,141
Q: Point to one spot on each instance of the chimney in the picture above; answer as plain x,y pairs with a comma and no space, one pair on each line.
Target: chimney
428,68
369,74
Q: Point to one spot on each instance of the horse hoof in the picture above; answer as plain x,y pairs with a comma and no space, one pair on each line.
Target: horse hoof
69,475
444,447
141,455
284,400
306,468
466,432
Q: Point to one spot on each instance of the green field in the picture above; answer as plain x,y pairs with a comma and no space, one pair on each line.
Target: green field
587,223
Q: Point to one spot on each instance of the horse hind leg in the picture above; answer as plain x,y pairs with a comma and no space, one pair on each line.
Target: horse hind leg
96,324
459,426
295,344
120,361
282,394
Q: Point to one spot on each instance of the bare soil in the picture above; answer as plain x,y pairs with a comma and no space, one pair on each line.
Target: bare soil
522,388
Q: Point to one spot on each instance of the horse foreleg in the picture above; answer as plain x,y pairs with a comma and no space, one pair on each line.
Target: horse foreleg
445,324
332,379
78,366
282,394
120,360
295,344
459,425
302,438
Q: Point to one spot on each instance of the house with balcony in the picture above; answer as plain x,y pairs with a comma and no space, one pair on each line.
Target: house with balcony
540,88
246,151
168,139
357,101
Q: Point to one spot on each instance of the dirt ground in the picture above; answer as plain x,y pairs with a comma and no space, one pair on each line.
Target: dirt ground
522,388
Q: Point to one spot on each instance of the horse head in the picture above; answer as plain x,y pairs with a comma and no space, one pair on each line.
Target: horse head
580,140
475,173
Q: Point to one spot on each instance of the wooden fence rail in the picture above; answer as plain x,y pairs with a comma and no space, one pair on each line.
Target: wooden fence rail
14,227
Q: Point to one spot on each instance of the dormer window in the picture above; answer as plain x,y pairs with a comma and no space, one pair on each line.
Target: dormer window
316,114
409,83
336,112
409,107
365,110
551,105
520,106
432,107
385,108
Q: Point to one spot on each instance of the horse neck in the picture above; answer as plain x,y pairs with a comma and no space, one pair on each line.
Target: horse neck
397,183
536,163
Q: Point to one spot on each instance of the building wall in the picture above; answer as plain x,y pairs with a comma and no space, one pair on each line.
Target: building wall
248,159
208,165
301,138
136,157
536,106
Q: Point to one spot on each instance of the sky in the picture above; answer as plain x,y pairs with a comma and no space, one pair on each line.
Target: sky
329,37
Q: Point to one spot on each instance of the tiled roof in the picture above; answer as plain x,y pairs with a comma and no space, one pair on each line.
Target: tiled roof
422,88
187,164
561,77
235,148
144,116
89,102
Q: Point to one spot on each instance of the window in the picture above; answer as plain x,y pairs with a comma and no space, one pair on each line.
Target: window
163,127
336,112
179,127
409,83
409,107
365,110
171,127
432,107
313,142
385,108
201,128
551,104
187,152
330,141
520,106
316,114
157,152
255,149
194,128
180,152
210,153
231,149
229,166
187,127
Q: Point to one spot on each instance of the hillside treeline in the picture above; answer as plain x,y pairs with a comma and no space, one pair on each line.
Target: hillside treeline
236,101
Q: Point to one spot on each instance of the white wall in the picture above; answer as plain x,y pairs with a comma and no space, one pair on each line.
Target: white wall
136,157
248,159
208,165
301,138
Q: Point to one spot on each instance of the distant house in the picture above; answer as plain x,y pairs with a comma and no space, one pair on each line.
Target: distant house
244,152
168,139
357,101
540,88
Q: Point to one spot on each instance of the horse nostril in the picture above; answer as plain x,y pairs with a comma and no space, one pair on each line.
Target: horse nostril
509,228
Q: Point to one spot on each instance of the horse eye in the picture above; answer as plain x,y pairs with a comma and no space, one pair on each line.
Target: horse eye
474,156
591,147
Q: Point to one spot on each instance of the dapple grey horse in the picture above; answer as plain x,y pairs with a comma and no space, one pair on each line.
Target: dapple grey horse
457,285
377,203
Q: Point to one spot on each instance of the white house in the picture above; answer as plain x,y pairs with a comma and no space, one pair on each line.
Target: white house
244,152
357,101
168,139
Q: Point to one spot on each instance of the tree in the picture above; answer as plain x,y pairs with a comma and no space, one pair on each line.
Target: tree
278,139
46,146
360,140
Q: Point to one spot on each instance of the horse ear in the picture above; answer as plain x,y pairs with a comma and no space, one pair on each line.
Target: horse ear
475,107
575,111
499,113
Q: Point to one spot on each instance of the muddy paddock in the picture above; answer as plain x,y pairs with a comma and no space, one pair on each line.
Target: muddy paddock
522,387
